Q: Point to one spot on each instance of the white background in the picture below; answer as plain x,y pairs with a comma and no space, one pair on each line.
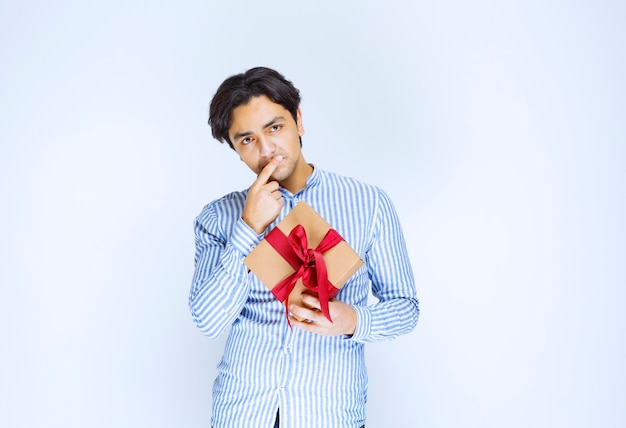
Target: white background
497,127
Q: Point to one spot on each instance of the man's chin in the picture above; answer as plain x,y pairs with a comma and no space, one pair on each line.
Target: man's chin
278,177
280,173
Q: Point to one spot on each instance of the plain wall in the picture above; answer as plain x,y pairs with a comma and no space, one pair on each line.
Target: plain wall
496,127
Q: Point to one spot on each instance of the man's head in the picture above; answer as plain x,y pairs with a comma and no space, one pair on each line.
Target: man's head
257,114
239,89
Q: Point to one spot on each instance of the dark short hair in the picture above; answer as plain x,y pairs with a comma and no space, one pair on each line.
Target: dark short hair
239,89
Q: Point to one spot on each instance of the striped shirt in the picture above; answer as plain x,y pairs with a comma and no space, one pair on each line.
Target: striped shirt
316,381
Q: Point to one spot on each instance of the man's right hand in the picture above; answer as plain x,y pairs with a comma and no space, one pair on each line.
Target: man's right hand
264,200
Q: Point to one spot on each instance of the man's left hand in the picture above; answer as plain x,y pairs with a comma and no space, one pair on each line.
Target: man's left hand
343,316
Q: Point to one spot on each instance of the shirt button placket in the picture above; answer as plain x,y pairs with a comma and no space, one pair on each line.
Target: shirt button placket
287,358
288,200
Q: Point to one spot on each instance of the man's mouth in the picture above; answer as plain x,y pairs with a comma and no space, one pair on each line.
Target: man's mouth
263,165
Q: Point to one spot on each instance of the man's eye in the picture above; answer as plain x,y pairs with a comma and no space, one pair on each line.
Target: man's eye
246,140
275,128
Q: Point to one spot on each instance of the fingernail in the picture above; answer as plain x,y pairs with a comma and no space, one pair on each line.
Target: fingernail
279,158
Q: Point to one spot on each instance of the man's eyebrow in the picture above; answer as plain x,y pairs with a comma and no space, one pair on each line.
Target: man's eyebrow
273,121
242,134
239,135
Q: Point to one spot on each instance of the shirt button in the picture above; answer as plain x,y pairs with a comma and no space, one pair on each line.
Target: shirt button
296,200
282,388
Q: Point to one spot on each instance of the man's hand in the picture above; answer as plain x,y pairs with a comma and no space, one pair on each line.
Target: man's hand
264,200
343,316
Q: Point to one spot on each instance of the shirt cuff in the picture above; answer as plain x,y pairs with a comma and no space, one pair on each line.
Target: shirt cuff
363,323
243,238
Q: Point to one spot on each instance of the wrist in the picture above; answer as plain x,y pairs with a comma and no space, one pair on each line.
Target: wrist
243,238
363,324
352,321
257,228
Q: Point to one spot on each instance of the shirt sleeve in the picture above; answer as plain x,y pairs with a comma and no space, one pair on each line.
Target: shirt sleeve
220,282
393,284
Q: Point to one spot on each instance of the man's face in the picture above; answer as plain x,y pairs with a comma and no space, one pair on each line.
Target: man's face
262,129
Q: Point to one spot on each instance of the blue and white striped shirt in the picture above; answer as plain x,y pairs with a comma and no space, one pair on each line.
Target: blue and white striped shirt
316,381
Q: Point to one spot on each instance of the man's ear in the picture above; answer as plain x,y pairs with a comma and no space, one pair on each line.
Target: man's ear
299,122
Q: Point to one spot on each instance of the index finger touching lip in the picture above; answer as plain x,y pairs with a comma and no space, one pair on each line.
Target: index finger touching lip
269,168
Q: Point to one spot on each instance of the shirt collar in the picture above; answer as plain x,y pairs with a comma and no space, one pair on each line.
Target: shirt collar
314,178
311,181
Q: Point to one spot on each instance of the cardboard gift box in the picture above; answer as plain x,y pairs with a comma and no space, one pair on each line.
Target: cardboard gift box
302,250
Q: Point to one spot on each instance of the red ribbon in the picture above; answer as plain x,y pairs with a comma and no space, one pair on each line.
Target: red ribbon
308,264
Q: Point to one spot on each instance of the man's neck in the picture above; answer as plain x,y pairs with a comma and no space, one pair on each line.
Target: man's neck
297,180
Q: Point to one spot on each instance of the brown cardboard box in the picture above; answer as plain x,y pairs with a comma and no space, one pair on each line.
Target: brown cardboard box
271,268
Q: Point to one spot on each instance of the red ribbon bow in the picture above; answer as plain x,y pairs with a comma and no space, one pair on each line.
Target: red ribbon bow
308,264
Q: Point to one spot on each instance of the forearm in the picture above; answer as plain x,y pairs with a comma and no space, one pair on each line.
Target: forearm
221,281
386,320
217,299
393,283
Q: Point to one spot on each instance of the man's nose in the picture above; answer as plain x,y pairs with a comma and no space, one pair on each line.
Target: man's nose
266,147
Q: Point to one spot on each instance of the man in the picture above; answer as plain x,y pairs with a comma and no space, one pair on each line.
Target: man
312,375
